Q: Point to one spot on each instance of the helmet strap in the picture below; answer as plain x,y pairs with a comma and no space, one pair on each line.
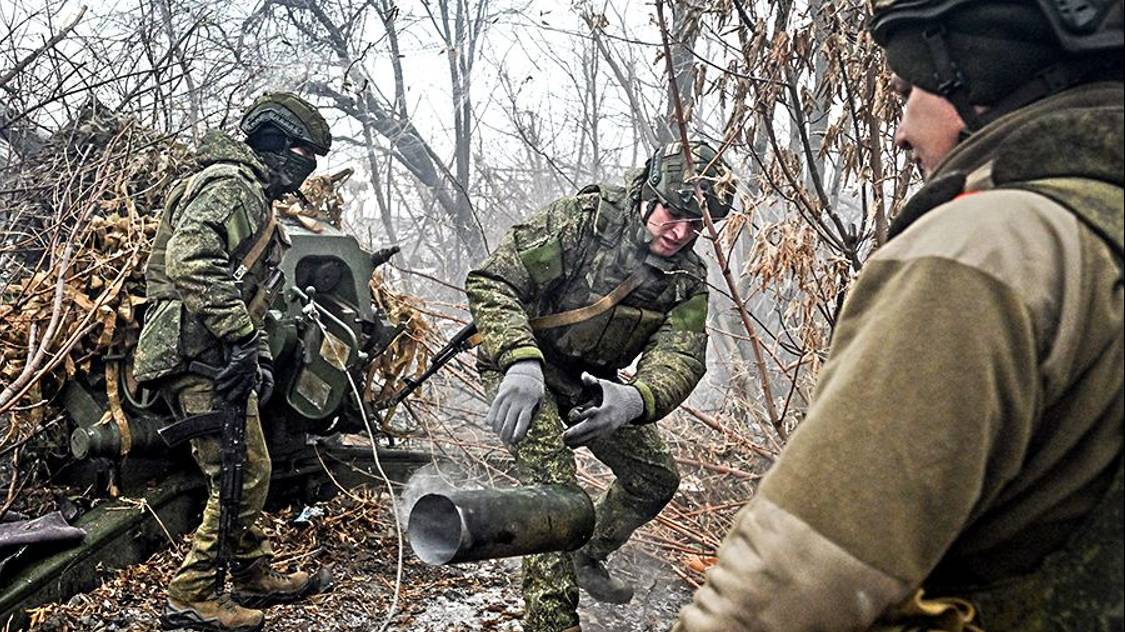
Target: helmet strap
654,165
1051,80
950,79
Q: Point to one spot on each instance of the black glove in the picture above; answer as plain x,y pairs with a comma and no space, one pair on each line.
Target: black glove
265,382
240,375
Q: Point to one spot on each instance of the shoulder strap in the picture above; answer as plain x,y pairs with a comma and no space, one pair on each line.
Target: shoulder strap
261,241
574,316
1097,204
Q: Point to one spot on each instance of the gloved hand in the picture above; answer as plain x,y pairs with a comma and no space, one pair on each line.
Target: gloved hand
240,375
265,382
620,404
516,401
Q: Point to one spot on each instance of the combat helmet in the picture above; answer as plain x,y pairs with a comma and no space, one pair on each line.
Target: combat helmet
664,180
293,116
1003,54
276,125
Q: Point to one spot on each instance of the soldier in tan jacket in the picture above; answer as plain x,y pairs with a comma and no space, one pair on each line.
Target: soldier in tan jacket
961,462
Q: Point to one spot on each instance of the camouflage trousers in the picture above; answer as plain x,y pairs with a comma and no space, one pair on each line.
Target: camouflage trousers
646,480
189,395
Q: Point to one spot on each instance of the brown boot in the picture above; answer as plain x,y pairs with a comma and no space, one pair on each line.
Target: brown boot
219,614
261,586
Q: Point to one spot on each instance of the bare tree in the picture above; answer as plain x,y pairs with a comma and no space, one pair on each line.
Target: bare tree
339,31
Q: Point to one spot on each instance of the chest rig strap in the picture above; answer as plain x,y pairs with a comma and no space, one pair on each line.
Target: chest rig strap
574,316
262,240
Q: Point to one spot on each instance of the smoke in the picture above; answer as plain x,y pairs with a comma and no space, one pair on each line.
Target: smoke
659,595
435,478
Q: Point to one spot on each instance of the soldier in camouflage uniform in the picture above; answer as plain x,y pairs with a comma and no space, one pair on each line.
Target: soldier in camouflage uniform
206,282
543,361
962,454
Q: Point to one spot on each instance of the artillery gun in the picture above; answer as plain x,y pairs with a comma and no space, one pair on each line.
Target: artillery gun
323,329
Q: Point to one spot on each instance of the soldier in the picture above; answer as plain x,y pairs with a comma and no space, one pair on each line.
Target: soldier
963,450
216,247
569,297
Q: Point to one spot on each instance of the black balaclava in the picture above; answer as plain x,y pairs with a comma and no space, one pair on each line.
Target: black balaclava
287,169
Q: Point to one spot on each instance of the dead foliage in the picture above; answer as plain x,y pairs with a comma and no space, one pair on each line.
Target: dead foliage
408,353
353,536
79,220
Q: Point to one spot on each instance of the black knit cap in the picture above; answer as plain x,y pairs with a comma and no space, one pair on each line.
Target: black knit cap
981,52
996,46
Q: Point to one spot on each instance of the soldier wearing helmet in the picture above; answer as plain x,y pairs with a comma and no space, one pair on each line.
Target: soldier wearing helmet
960,466
570,297
212,260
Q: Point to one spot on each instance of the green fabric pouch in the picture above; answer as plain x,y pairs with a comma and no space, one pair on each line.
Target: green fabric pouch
543,261
157,351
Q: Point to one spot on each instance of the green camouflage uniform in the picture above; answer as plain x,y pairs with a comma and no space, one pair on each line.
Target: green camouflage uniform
197,309
568,255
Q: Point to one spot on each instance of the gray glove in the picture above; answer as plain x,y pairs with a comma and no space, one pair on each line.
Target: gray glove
620,404
516,401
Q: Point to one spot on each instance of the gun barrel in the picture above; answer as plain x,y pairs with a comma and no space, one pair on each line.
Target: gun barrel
464,340
467,526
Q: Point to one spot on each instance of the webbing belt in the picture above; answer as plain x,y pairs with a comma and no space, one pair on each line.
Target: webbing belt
572,316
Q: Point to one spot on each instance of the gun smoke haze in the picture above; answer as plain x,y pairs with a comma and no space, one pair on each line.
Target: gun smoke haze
434,478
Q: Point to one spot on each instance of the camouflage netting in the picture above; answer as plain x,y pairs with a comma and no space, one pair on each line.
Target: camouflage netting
78,218
76,222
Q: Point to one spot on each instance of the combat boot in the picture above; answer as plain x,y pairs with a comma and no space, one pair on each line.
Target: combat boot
260,586
218,614
593,577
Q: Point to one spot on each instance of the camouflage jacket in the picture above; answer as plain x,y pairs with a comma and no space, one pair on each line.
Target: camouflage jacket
567,256
210,221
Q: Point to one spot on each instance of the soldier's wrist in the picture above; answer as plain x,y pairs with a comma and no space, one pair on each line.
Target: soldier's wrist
649,399
244,334
247,339
527,352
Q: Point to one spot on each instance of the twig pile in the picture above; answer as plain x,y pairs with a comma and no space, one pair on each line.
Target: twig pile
77,222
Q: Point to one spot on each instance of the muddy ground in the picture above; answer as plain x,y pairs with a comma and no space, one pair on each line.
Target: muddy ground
354,534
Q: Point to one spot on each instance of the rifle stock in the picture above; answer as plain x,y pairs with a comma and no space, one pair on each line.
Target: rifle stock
229,421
